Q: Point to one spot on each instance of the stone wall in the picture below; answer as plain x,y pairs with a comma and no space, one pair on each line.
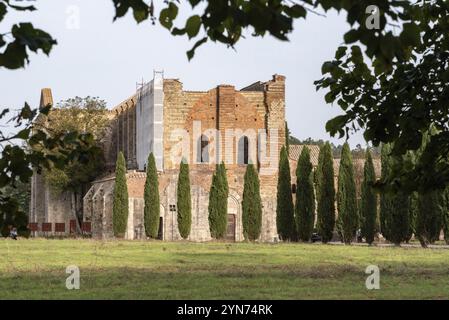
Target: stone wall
149,122
98,206
234,113
45,204
123,133
258,109
249,112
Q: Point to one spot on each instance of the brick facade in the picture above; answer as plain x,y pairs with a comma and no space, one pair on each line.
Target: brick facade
247,121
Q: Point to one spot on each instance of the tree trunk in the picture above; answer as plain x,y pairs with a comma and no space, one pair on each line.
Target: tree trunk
424,242
75,211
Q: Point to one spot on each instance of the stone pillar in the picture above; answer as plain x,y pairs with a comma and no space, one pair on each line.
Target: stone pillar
275,102
133,138
225,117
125,134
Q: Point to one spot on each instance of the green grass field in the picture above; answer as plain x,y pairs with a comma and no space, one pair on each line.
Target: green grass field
35,269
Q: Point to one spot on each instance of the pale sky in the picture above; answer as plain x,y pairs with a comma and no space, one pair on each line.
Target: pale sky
106,59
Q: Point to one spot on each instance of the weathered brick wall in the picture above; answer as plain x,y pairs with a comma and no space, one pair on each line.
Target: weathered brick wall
177,105
221,108
38,199
259,107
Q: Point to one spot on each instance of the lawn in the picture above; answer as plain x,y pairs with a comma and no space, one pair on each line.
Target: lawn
35,269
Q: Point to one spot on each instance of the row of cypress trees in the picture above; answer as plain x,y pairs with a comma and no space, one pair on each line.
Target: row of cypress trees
218,199
297,222
401,215
251,204
424,214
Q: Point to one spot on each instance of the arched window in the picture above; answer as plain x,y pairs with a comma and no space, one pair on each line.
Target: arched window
243,150
203,149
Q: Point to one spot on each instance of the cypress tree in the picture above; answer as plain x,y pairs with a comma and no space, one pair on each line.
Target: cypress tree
399,218
394,205
285,219
305,197
431,203
218,203
368,207
184,201
251,205
325,193
347,221
151,199
120,204
430,215
287,137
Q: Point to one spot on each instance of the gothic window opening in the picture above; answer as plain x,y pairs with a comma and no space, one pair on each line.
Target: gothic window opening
243,151
203,150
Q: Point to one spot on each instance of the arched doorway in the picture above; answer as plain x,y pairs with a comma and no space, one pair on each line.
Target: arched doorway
230,231
160,232
233,218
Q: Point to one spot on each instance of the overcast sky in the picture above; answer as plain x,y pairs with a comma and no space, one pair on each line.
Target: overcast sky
106,59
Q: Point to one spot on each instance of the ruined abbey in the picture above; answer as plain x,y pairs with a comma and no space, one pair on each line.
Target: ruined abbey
201,127
236,126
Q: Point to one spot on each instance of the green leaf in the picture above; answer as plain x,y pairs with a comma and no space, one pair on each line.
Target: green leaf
26,112
191,52
296,11
351,36
193,25
341,51
14,56
329,97
178,32
141,10
140,15
23,134
3,11
168,14
327,67
4,112
410,35
193,3
336,125
34,39
20,8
